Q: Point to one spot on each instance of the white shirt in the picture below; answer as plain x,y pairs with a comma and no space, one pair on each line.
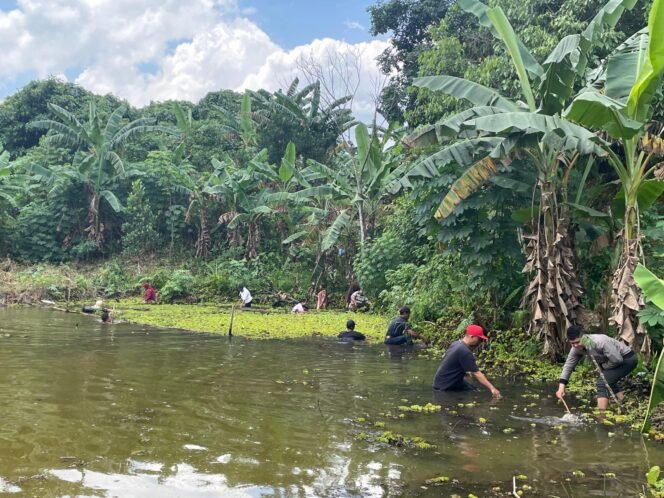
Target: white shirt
245,295
298,308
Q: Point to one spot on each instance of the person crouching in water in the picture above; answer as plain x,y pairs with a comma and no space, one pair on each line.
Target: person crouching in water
350,334
615,358
400,331
458,361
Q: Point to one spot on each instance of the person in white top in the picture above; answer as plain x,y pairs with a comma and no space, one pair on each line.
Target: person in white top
300,307
245,296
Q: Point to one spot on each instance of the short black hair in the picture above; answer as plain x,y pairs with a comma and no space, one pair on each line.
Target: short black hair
350,325
574,332
105,316
403,310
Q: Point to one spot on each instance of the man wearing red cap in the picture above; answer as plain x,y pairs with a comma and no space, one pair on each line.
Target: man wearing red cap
458,361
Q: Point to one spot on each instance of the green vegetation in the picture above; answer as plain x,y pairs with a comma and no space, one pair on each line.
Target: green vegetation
517,183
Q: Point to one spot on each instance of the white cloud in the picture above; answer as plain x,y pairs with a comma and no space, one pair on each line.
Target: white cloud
196,47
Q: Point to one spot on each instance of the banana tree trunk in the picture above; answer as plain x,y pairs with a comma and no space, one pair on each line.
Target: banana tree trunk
203,240
626,297
94,228
552,296
360,216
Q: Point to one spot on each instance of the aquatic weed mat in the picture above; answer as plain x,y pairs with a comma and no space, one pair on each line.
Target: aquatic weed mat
258,323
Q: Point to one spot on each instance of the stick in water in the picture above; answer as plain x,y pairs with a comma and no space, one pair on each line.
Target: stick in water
230,327
566,407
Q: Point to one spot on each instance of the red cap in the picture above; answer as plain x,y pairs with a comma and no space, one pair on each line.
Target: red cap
476,331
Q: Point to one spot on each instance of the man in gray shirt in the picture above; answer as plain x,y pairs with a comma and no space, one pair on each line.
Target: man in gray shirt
614,358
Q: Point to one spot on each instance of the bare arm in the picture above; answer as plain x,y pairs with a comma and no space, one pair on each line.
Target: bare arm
485,382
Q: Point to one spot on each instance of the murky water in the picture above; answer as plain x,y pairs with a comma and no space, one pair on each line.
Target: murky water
94,410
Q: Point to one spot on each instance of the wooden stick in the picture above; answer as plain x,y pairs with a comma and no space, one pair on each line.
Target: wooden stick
230,327
566,407
608,387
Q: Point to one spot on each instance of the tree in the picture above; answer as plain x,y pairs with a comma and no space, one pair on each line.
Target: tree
297,116
408,22
361,178
499,130
97,163
619,102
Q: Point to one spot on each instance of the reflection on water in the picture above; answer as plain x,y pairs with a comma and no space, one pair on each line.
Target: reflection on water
124,410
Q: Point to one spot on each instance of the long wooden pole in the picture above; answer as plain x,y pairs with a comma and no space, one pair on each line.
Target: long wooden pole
230,327
608,387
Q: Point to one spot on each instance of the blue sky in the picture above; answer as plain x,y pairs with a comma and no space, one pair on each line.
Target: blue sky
297,22
147,50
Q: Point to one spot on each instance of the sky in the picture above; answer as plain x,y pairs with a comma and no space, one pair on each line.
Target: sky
155,50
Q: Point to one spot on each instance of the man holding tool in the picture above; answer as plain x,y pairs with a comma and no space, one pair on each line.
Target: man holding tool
612,359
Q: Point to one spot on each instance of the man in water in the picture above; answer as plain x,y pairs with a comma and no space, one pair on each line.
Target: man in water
458,361
245,296
400,331
350,334
150,294
106,317
615,358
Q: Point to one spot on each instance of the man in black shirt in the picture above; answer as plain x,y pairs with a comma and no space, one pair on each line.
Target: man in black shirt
349,334
458,361
400,331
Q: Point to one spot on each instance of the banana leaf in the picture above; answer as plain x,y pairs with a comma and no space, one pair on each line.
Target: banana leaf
460,88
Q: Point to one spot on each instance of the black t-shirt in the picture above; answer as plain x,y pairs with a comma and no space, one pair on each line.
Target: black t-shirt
351,334
457,361
398,327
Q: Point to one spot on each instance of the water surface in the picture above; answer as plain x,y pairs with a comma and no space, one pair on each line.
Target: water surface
95,410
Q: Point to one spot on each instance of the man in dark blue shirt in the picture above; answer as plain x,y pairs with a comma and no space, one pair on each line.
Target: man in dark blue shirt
458,361
400,331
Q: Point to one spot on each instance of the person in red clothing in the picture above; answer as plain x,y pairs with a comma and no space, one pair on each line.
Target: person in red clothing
150,294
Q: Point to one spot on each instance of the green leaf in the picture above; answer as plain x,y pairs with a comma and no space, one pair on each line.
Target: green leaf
504,28
589,211
448,128
650,72
112,200
594,110
574,137
648,193
465,154
287,167
510,184
460,88
481,12
653,475
623,66
333,233
651,286
656,395
295,236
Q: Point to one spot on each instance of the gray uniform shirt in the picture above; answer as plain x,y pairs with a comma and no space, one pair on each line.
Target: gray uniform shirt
607,351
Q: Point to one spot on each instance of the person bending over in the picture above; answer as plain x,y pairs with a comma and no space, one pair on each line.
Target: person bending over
401,332
458,361
615,358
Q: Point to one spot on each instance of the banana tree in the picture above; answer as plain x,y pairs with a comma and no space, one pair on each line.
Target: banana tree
362,177
619,102
97,164
497,131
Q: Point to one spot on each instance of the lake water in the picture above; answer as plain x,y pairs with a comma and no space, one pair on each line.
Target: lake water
123,410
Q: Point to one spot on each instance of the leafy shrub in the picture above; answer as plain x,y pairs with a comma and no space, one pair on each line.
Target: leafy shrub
179,286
